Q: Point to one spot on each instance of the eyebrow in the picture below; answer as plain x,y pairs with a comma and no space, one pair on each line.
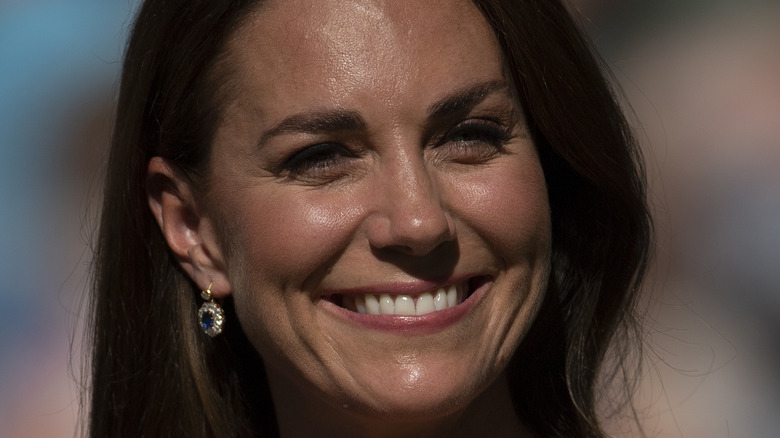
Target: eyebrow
334,121
466,98
317,121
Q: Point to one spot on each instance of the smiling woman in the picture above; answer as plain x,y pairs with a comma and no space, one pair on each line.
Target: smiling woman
403,216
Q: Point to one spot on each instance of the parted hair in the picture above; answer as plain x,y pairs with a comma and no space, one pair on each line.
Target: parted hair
153,373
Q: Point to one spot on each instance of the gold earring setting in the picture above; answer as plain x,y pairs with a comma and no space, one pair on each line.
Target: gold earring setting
210,315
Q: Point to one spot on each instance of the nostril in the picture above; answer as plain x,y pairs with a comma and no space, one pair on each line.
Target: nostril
438,263
421,236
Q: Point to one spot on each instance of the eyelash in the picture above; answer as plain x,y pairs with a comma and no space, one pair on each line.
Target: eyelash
316,159
464,143
473,134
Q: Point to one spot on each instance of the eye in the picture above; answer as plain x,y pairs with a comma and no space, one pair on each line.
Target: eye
320,161
473,141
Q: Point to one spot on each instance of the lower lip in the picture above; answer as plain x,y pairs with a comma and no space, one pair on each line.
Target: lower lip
411,325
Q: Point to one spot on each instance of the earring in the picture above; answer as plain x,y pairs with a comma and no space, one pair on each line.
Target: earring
210,315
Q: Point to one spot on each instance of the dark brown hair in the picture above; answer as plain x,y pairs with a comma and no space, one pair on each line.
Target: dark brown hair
154,374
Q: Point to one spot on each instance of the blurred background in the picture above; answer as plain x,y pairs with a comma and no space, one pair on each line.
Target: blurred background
701,84
700,80
59,65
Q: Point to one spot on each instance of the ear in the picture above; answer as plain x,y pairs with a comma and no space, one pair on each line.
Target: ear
188,232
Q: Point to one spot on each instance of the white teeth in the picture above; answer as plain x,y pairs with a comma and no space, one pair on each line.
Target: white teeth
386,304
404,305
425,304
440,301
372,305
360,303
452,296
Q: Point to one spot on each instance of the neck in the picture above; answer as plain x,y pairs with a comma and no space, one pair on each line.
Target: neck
491,413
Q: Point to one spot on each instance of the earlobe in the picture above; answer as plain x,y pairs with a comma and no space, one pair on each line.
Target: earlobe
187,231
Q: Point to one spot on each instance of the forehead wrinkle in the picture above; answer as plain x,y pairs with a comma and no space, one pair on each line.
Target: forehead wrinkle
339,47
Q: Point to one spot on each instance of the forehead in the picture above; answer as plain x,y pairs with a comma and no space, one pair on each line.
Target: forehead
304,53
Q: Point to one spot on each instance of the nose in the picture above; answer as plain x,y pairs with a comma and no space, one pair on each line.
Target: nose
409,216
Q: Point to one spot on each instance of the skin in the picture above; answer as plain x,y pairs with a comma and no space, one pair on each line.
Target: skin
401,194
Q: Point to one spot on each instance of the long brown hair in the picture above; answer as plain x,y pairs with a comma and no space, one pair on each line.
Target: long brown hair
601,227
154,374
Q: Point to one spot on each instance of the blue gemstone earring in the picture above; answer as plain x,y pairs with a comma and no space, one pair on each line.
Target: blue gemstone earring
210,315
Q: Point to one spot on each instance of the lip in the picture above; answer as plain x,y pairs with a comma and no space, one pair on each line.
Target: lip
411,325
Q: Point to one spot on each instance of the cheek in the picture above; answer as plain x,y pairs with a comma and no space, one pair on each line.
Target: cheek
509,208
285,239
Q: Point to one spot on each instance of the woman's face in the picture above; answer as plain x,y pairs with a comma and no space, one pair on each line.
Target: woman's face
371,164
